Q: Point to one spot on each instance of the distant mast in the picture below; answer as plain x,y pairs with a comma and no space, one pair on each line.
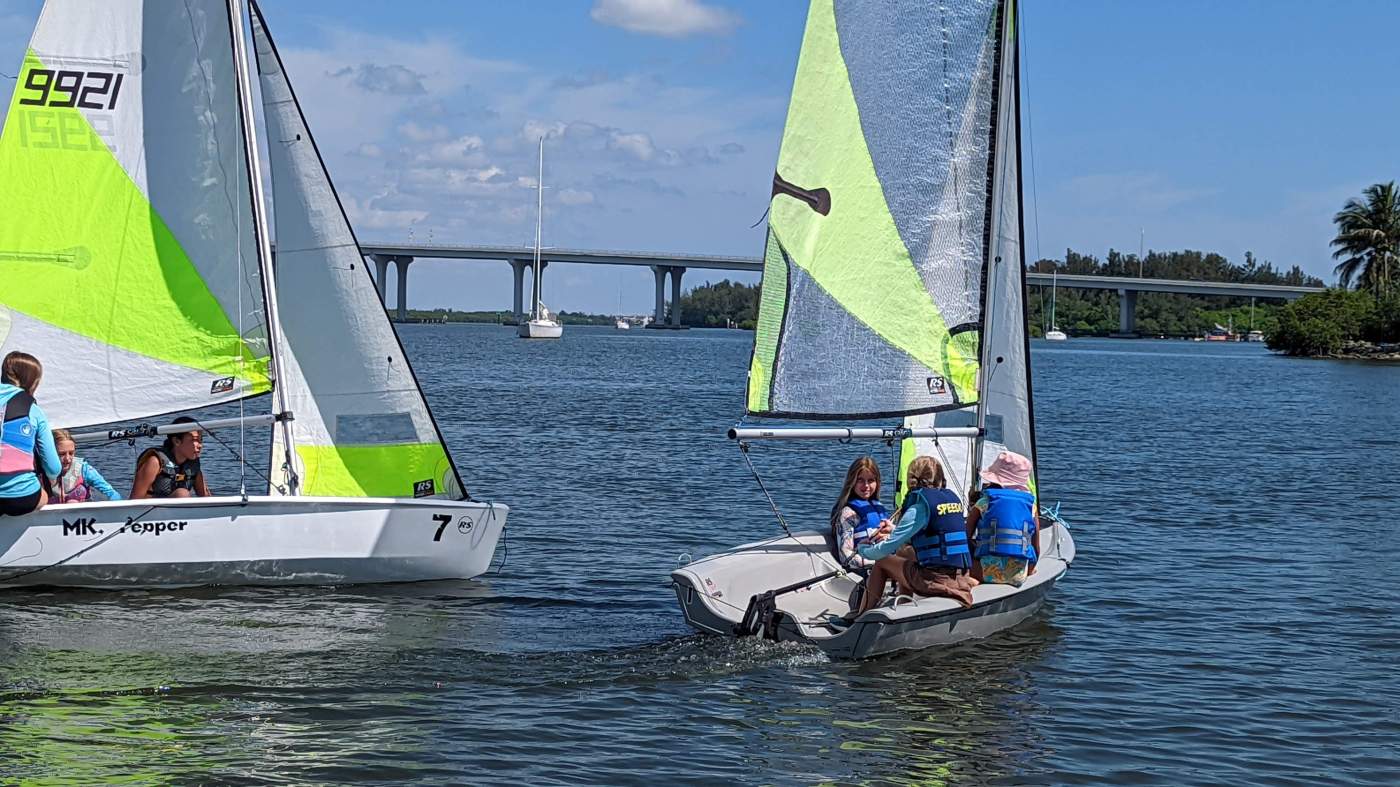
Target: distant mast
539,223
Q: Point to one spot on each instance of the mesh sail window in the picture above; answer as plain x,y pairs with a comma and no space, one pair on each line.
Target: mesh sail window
879,222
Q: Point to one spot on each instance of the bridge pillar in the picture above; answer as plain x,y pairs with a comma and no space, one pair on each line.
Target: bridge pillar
658,317
676,273
517,267
403,263
381,268
1127,312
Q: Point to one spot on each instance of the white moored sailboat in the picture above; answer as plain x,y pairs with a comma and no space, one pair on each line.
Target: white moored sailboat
894,287
540,324
1054,334
138,267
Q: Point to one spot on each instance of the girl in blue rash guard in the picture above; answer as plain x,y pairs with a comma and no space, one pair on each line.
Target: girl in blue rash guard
26,445
932,523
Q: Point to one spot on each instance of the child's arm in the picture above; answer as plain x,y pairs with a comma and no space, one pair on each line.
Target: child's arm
846,536
909,524
94,479
44,447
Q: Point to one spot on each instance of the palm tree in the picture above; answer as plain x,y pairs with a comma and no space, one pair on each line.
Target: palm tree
1368,240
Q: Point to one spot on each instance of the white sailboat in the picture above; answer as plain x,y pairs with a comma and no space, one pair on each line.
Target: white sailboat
1054,334
540,324
621,324
133,189
894,283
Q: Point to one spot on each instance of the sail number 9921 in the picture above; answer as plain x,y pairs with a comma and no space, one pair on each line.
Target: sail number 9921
84,89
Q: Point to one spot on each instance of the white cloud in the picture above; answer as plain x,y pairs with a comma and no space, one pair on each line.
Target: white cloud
392,79
669,18
365,216
416,133
635,144
575,197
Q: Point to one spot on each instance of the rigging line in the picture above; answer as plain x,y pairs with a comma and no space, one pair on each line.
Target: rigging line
1024,74
242,366
99,542
241,461
744,449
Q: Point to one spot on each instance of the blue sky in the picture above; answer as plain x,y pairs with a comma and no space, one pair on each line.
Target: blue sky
1217,126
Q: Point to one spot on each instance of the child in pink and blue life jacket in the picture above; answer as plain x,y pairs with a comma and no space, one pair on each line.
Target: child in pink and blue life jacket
1003,522
78,478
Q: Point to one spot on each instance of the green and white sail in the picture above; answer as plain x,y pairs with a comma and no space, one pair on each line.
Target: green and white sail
877,231
126,248
361,425
1007,411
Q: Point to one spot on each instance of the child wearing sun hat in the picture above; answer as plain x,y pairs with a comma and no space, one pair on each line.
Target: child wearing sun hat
1003,522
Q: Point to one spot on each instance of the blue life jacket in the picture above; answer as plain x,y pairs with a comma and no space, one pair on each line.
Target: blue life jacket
943,541
18,435
1007,527
869,513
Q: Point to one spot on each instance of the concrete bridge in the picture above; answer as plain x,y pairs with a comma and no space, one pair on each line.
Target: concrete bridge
521,258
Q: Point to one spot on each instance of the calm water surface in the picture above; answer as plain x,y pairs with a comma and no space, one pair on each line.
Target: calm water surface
1217,493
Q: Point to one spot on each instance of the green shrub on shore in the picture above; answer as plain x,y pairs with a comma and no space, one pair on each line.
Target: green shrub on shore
1320,324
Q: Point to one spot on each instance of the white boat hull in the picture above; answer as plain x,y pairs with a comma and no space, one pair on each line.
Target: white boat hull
260,541
540,329
715,592
1055,336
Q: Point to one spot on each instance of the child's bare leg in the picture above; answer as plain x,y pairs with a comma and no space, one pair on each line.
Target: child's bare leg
874,588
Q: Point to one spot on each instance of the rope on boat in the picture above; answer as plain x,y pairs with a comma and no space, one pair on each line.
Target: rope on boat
242,463
744,449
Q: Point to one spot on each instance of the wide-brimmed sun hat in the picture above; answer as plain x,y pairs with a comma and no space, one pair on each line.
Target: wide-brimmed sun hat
1009,469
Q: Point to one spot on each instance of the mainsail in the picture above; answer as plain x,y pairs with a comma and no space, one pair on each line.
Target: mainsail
877,227
126,249
893,280
361,426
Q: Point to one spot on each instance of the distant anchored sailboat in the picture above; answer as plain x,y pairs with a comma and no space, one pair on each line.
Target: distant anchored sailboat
1054,334
894,287
133,139
540,324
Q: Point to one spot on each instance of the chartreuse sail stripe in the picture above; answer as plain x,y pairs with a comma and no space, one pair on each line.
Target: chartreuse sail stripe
772,296
82,249
371,470
855,252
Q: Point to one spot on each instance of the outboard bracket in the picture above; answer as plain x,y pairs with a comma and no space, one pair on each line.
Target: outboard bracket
762,611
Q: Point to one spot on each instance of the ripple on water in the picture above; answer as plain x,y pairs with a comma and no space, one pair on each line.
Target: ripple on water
1200,638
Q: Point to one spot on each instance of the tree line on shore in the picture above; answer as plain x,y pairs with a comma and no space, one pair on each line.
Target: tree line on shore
732,304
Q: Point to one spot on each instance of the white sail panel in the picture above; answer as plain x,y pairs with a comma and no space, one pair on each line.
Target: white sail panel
127,247
362,427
